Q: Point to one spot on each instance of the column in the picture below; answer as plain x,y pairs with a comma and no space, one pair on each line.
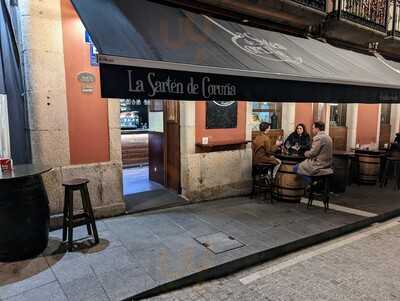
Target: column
394,121
288,117
4,126
351,123
44,72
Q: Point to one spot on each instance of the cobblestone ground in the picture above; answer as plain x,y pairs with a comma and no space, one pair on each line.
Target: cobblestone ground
362,266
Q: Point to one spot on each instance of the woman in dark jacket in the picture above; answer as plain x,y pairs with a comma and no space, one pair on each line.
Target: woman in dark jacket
299,141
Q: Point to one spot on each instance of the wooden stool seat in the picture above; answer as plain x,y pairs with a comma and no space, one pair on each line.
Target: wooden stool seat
325,182
72,220
75,182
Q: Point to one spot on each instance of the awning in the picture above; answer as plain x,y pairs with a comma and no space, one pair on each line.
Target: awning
152,51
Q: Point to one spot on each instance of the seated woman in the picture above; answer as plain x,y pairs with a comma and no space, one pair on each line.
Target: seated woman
264,148
299,141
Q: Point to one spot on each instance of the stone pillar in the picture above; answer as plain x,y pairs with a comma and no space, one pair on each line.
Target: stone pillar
327,120
44,71
394,120
351,123
288,118
378,125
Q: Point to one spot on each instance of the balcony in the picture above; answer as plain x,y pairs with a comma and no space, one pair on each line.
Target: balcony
370,13
394,19
358,22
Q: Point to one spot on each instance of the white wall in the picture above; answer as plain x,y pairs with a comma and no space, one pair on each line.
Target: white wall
4,128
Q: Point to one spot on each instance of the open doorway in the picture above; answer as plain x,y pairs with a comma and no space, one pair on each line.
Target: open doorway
150,142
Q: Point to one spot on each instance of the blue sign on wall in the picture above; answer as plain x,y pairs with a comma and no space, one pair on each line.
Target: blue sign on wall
93,50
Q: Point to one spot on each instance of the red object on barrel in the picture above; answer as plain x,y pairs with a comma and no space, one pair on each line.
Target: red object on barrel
6,164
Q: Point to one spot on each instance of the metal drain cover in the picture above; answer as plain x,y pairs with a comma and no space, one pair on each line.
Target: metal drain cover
219,242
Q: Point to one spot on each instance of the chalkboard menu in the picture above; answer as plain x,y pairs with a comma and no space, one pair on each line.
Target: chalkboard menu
221,114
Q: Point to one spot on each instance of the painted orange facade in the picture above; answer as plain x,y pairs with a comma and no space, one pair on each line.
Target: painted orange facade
220,135
367,123
304,114
87,113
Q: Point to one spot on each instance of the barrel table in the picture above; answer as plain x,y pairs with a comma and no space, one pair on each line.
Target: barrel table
24,213
289,186
369,165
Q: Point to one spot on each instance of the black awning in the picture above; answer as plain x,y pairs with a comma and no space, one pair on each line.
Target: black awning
149,50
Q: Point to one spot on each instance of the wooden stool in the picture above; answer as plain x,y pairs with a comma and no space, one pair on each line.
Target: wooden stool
394,164
263,179
85,218
325,182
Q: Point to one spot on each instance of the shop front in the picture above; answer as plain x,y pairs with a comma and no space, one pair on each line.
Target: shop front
184,56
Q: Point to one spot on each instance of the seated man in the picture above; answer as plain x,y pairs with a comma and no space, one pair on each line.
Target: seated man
320,157
264,148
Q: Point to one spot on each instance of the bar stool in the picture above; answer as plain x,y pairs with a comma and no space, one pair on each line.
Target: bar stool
392,163
323,182
70,220
263,179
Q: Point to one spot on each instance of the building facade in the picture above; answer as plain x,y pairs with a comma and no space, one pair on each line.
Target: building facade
78,133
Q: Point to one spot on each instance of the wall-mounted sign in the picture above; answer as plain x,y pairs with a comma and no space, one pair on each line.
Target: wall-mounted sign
87,80
221,114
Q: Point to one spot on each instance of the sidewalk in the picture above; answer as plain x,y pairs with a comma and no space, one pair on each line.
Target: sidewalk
156,250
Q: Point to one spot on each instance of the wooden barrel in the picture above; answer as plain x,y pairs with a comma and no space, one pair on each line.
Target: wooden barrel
289,186
369,168
24,218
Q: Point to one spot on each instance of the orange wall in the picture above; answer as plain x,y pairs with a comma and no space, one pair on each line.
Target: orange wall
367,123
220,135
304,114
87,114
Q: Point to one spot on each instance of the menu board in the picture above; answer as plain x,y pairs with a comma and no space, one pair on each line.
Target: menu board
221,114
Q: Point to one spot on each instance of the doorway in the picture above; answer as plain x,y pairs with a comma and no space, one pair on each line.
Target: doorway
150,142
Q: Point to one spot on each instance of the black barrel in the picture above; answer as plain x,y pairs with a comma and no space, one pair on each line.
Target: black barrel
24,218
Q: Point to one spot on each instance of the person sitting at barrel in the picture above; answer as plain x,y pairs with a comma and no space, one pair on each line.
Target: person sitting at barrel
319,158
264,148
298,141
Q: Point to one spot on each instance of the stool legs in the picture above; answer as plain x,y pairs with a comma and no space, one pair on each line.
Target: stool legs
86,218
90,213
70,197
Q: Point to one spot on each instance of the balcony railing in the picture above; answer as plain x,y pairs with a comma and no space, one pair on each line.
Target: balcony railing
394,18
370,13
317,4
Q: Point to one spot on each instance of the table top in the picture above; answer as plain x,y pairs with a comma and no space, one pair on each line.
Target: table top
344,153
25,170
290,157
370,151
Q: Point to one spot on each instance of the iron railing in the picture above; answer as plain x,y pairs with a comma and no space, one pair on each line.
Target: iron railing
370,13
316,4
394,18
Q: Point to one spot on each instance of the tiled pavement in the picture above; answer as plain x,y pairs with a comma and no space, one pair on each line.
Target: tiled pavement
138,252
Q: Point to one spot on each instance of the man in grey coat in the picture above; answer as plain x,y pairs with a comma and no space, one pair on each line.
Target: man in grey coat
320,157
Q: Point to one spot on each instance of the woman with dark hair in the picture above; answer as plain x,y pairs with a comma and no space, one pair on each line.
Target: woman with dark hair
299,141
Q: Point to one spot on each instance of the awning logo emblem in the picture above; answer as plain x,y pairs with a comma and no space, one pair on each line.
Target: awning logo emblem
263,48
224,103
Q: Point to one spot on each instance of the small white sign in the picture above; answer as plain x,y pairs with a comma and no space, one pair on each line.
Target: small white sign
204,140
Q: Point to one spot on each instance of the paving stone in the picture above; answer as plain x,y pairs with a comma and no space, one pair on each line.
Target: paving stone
124,283
85,289
18,277
48,292
72,269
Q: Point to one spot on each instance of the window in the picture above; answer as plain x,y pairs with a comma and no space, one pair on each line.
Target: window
267,112
386,110
134,114
338,115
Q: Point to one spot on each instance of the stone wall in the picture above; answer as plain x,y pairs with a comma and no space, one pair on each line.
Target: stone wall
44,72
213,175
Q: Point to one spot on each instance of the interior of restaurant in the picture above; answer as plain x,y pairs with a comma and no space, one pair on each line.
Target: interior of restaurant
139,125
